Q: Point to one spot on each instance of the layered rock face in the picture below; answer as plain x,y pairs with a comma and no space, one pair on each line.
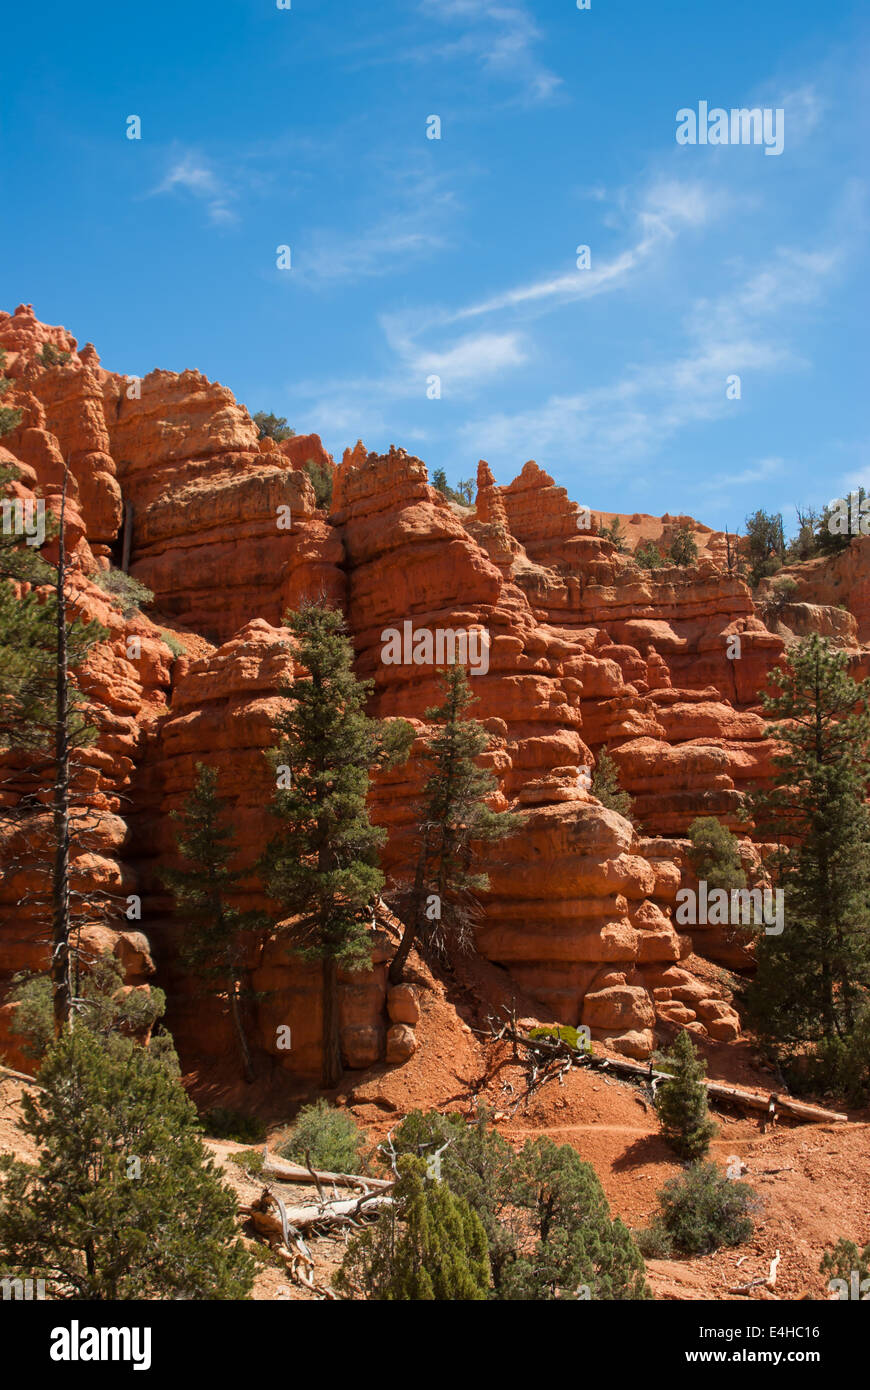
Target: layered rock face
572,649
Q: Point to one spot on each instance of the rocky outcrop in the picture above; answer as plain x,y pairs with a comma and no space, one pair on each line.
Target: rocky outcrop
573,649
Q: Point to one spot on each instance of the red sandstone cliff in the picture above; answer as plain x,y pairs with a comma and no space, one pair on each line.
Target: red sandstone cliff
587,651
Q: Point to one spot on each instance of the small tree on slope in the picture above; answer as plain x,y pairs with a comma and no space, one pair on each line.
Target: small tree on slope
681,1101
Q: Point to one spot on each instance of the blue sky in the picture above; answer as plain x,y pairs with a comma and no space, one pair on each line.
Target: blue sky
307,127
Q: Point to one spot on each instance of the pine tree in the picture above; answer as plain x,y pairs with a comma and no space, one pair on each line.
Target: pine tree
568,1245
605,787
813,980
440,906
124,1201
320,867
429,1247
715,854
683,549
10,418
44,717
615,534
543,1210
218,937
104,1006
765,544
681,1101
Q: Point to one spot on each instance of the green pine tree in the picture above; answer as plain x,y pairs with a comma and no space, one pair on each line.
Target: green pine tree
123,1201
547,1221
648,556
46,719
812,983
102,1005
218,937
715,854
320,867
681,1101
440,906
683,549
10,418
568,1246
605,787
272,426
615,534
765,544
429,1247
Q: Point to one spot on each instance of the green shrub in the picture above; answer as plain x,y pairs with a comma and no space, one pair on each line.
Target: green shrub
683,549
272,426
781,592
172,642
52,356
331,1137
844,1260
129,593
605,786
715,854
562,1033
224,1123
107,1010
615,534
321,479
251,1160
654,1243
839,1066
702,1210
649,556
546,1218
428,1247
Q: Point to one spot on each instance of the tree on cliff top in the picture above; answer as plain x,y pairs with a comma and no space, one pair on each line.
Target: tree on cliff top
320,866
439,906
218,937
272,426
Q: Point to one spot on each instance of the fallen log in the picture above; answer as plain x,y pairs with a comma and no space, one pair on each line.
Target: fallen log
297,1172
320,1214
557,1049
20,1076
717,1090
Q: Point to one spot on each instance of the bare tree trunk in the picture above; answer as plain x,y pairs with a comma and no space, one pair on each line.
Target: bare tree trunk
60,956
235,1010
412,925
331,1067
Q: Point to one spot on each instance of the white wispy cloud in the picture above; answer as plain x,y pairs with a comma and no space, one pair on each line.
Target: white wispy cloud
633,417
191,173
499,38
416,225
665,208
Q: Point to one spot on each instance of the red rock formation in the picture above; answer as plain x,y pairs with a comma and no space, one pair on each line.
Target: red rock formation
585,651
